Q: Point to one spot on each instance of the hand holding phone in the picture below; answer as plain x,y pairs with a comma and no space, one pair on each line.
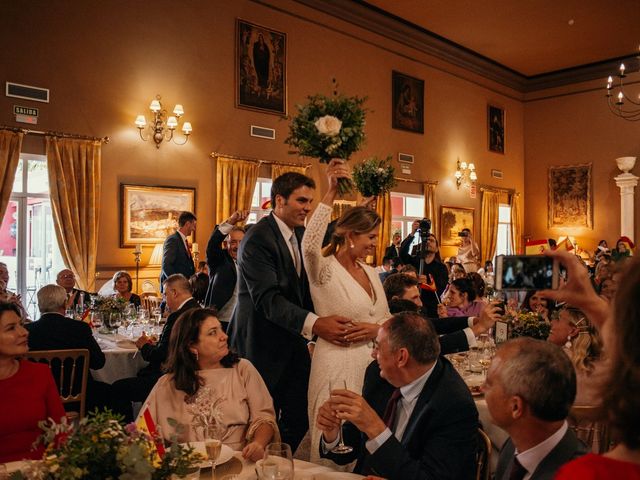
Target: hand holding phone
526,272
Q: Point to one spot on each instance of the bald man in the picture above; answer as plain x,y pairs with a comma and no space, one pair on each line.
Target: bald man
67,280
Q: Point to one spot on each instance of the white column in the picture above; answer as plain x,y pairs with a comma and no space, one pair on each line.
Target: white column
626,182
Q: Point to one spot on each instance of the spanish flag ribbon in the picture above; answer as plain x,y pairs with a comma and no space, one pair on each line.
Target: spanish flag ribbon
146,424
536,247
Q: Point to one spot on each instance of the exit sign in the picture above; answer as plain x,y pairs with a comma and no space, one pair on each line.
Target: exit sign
29,111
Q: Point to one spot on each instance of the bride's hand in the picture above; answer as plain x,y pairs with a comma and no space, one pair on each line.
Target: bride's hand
337,169
362,332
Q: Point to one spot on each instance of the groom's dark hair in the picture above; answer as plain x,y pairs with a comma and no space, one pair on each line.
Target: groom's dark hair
286,183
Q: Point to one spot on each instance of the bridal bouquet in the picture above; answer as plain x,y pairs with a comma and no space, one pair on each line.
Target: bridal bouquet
374,176
329,127
100,447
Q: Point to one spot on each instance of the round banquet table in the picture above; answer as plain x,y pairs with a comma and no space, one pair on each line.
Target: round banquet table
122,358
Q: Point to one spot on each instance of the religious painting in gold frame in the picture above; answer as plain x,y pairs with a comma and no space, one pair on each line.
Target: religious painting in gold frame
570,196
452,221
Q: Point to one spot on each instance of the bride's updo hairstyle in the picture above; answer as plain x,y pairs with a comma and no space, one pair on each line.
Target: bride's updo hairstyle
356,220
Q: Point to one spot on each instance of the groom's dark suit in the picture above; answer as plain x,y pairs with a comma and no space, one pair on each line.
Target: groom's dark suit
222,272
439,441
273,303
175,258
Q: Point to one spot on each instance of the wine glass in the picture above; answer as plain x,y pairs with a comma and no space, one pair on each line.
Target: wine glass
96,320
157,316
341,447
278,462
213,446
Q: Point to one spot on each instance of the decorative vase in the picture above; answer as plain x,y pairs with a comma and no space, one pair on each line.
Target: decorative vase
626,164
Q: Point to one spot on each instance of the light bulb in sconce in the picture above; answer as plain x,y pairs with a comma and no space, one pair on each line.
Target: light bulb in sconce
155,106
458,174
141,122
178,110
472,166
620,99
473,176
463,165
172,123
186,128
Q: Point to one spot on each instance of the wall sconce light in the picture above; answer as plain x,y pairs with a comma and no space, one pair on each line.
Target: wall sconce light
160,123
465,174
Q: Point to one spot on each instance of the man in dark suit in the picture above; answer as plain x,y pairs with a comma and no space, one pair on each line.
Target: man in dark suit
177,292
393,250
530,387
176,251
416,418
457,334
54,331
274,317
222,291
67,280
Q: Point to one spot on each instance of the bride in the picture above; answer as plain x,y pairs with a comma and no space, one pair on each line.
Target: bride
341,283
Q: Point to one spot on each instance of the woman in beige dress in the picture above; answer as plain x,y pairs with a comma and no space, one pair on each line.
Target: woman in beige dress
207,384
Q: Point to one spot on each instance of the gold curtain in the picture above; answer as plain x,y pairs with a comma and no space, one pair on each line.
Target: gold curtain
10,145
236,180
430,208
516,224
277,170
383,208
74,182
489,224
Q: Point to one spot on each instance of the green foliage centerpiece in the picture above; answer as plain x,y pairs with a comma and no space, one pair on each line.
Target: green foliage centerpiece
329,127
374,176
529,324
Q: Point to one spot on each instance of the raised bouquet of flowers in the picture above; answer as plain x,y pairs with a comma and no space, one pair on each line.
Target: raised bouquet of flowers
529,324
329,127
374,176
100,447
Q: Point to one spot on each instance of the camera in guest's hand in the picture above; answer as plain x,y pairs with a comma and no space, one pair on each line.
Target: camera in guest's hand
424,228
463,234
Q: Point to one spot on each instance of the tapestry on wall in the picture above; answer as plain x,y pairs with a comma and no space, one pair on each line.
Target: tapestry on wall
570,196
261,68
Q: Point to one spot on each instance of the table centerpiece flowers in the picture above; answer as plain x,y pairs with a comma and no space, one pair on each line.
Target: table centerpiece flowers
108,307
374,176
100,447
329,127
529,324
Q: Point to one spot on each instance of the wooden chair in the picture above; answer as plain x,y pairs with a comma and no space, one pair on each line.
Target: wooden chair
483,457
149,300
585,421
69,372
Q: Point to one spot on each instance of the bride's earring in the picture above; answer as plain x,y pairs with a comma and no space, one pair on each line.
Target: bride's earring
351,245
568,344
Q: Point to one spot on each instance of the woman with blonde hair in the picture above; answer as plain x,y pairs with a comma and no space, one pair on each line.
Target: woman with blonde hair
122,286
341,283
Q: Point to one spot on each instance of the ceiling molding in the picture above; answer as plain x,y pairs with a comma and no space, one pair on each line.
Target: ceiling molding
382,23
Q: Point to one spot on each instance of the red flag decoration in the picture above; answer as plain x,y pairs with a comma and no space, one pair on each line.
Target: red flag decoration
430,286
565,243
266,205
536,247
146,424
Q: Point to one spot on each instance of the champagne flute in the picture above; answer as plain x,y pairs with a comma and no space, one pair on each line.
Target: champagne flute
341,447
213,446
278,462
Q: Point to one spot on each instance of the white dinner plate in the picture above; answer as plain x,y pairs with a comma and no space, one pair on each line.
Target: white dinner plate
226,453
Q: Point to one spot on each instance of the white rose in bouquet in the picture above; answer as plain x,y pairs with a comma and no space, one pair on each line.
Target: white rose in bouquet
328,125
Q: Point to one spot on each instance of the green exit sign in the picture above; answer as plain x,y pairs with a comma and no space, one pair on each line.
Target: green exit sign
31,112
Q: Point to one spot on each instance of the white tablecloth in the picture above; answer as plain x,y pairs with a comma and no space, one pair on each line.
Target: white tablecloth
122,359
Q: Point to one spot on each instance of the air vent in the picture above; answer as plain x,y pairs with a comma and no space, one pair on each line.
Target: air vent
263,132
405,158
27,92
496,173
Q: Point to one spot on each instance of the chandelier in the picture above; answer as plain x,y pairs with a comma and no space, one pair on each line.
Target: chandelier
162,128
620,103
465,174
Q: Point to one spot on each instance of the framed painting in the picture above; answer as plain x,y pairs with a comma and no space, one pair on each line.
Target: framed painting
495,128
570,196
150,214
452,221
261,68
407,108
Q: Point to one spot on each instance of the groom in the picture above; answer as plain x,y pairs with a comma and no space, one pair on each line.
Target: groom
274,315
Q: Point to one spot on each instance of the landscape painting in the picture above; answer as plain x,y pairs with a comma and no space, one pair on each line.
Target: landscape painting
452,221
150,214
570,197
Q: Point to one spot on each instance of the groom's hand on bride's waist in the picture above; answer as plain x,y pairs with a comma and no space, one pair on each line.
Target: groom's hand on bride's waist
332,329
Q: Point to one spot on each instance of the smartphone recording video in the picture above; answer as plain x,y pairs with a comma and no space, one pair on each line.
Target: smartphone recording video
526,272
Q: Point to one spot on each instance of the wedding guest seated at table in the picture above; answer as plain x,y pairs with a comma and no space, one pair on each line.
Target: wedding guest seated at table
67,280
29,394
478,285
534,302
122,285
461,301
206,380
54,331
529,389
416,418
177,293
564,327
619,393
8,296
457,334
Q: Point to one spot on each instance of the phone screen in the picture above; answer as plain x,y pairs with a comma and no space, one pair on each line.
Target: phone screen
525,272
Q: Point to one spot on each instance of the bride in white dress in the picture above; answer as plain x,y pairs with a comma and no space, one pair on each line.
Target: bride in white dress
341,284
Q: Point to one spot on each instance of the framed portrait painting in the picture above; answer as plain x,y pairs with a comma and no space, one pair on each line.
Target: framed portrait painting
261,68
407,108
150,214
570,196
452,221
495,128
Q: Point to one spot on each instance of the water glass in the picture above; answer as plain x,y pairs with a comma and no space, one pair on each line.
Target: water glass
278,462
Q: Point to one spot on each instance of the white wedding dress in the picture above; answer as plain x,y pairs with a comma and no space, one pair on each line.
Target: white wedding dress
335,292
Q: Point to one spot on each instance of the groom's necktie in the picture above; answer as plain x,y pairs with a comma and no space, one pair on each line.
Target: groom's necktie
296,253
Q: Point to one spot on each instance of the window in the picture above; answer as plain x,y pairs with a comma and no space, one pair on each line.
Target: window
405,208
261,194
503,246
28,243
